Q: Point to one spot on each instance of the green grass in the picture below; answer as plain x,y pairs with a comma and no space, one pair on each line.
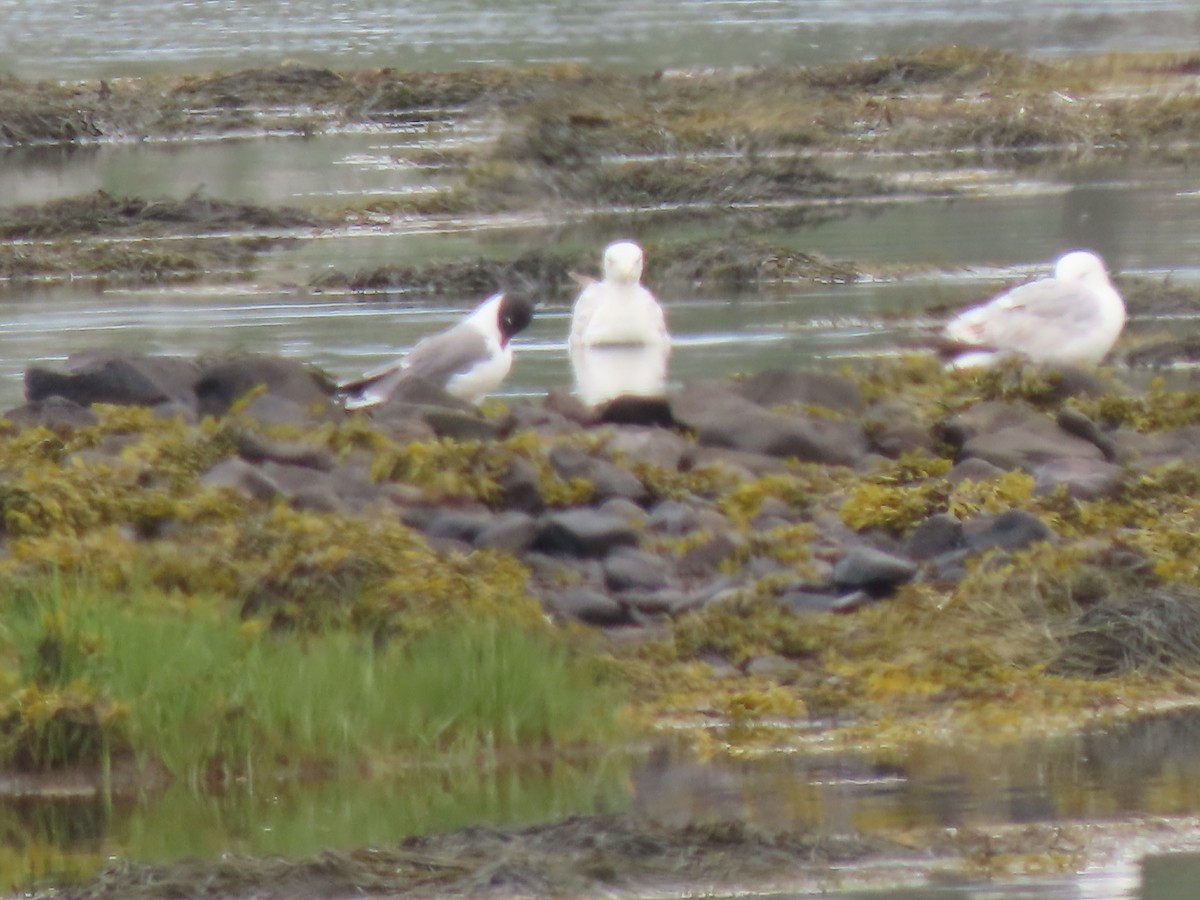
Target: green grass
90,673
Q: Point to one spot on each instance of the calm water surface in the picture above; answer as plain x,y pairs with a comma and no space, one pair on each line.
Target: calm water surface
60,39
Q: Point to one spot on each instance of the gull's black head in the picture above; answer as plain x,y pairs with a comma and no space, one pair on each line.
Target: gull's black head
515,313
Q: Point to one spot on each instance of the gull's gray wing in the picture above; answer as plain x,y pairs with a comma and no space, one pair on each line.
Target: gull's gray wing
440,357
1033,317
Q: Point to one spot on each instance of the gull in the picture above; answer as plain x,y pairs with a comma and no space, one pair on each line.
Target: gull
617,310
468,360
1072,318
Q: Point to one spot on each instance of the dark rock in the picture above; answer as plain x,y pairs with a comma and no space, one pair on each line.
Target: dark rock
740,463
784,387
458,525
628,569
447,423
653,446
973,469
219,386
772,666
985,418
654,603
893,429
419,392
546,423
117,378
938,534
583,532
626,509
56,414
814,600
570,407
722,418
608,479
704,560
513,532
631,410
1084,479
272,409
521,487
1010,530
1159,448
590,606
237,475
872,570
255,448
1029,445
673,518
1074,422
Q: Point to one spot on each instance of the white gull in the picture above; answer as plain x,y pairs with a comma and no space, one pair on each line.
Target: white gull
1071,318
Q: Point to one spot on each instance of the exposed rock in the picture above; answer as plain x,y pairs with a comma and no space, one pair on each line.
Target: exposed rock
238,475
673,518
590,606
893,429
1074,422
722,418
458,525
1028,445
256,448
652,446
1010,530
459,426
872,570
116,378
738,463
512,532
583,532
1084,479
628,569
631,410
521,486
219,386
608,479
703,560
779,387
56,414
973,469
938,534
1146,451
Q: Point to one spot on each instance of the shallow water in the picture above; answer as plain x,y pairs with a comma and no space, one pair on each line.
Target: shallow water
59,39
1150,768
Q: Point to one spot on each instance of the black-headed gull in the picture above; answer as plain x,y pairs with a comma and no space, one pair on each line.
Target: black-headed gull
469,359
618,310
1071,318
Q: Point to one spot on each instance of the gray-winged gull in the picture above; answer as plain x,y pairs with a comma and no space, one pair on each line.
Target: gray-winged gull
1071,318
469,360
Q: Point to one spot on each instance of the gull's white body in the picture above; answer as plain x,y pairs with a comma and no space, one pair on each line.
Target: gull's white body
1071,318
618,310
469,360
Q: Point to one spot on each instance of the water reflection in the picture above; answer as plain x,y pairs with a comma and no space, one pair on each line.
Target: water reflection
606,371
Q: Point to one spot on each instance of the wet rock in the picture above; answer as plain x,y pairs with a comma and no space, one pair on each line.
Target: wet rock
780,387
545,422
872,570
458,525
521,487
653,604
1010,530
704,560
305,487
1074,422
1029,445
116,378
985,418
570,407
1145,451
255,448
673,518
55,414
583,532
722,418
939,534
633,514
458,426
631,410
1084,479
608,479
271,409
590,606
819,601
421,393
628,569
219,386
512,532
893,429
973,469
652,446
738,463
237,475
